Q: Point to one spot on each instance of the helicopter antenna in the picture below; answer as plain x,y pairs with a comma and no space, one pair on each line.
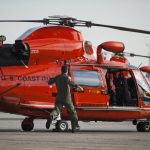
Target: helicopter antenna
139,65
72,22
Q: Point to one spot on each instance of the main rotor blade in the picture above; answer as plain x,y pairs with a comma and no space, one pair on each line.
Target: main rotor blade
74,22
122,28
21,21
44,21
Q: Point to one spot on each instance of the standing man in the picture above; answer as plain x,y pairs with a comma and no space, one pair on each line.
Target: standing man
63,83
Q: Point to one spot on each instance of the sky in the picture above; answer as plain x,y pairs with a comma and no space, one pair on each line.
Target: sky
127,13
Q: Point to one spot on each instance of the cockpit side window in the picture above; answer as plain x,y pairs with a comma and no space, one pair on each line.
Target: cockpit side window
87,78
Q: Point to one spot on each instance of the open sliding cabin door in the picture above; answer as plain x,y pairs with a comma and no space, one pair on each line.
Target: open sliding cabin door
121,88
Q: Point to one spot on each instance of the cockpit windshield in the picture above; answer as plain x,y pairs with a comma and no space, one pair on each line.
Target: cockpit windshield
141,81
148,78
143,87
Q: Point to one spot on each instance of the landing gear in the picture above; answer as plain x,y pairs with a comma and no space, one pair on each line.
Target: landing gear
134,122
27,124
143,127
61,126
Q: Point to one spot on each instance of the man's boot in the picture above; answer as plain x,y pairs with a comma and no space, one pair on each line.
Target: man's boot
74,129
49,121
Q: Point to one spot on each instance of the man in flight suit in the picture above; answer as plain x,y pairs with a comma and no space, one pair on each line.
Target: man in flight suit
63,83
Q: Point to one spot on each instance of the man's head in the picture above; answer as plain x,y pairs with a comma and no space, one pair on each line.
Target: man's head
64,69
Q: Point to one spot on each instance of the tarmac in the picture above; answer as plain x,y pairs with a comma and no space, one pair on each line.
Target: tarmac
92,136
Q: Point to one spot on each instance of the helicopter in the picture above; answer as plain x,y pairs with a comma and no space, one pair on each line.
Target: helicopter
114,90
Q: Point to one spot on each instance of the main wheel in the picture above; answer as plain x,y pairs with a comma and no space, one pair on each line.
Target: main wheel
134,122
139,127
27,124
146,127
61,126
143,127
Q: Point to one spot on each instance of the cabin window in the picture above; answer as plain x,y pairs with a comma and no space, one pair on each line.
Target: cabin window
87,78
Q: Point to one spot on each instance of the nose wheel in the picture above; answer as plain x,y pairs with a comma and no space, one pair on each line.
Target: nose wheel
61,126
27,124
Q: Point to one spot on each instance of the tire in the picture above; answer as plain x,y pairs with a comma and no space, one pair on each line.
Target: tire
61,126
139,127
27,125
134,122
143,127
146,127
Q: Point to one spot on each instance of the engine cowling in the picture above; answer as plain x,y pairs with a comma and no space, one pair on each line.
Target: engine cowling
51,43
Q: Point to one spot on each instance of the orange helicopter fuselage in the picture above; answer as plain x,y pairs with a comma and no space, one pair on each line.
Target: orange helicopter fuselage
24,89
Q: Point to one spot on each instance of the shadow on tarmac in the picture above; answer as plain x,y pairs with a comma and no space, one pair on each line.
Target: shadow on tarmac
81,131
